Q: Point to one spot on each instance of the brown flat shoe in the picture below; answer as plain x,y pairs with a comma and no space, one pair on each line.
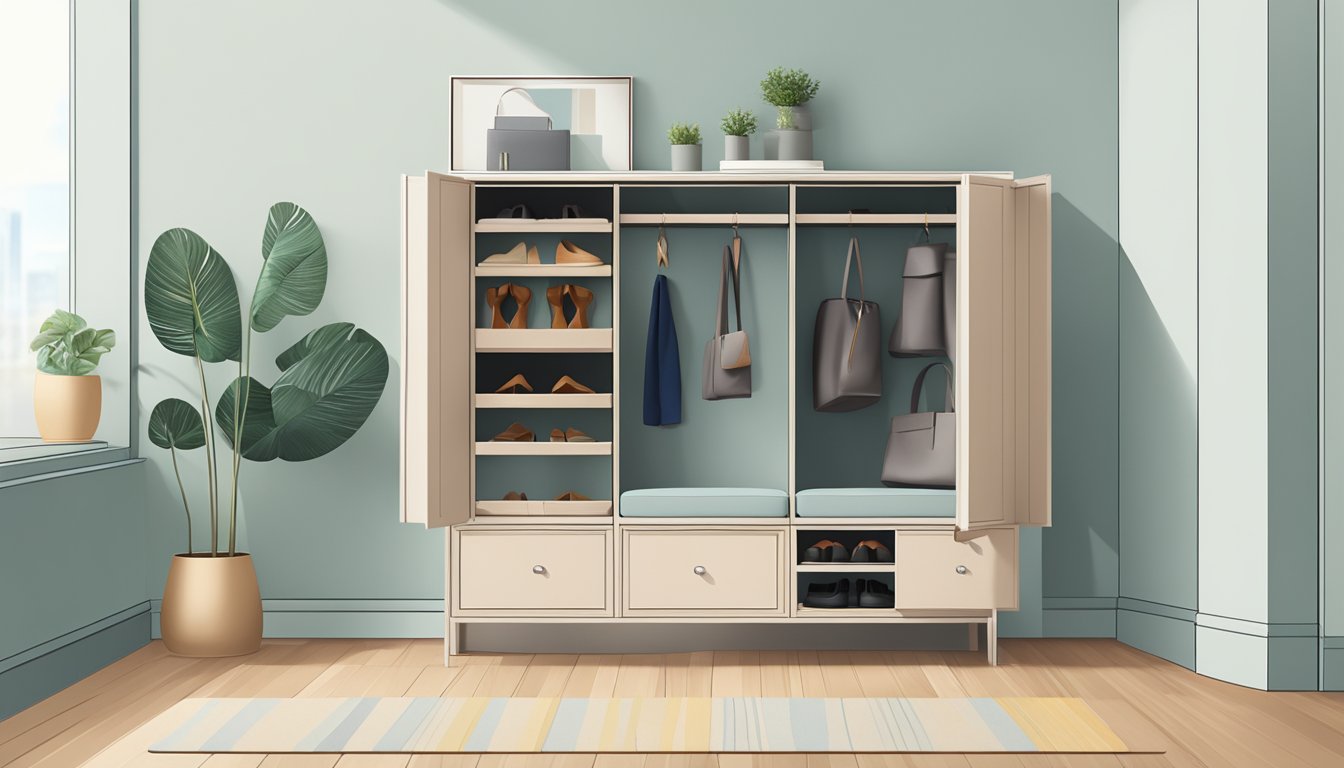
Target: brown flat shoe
568,386
569,253
516,433
513,385
572,496
515,496
570,435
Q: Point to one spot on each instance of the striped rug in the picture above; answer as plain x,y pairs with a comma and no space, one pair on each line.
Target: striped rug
473,725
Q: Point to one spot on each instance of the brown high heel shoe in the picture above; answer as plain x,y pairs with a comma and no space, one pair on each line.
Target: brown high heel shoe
572,496
582,298
494,297
555,296
567,386
516,433
512,385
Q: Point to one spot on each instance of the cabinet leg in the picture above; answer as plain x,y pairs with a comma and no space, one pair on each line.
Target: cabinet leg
973,637
452,641
992,638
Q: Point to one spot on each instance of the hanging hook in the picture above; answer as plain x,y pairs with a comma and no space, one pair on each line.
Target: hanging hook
850,223
662,243
926,224
736,216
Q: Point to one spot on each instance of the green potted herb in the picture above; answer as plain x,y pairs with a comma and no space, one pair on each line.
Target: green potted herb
67,397
738,125
685,139
329,382
789,90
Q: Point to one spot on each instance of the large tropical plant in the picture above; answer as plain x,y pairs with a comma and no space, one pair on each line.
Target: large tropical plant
329,382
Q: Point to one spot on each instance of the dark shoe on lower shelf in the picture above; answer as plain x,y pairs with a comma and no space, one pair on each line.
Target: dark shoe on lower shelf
877,595
831,595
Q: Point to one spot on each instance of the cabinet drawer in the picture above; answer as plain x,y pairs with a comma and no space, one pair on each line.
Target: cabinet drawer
934,570
538,571
680,572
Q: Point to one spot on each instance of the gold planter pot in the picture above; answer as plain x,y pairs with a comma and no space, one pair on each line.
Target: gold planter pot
211,606
67,407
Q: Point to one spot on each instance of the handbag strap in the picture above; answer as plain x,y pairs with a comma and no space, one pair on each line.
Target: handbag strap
919,387
500,103
729,268
854,254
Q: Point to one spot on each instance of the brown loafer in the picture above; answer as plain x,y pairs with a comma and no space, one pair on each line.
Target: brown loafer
516,433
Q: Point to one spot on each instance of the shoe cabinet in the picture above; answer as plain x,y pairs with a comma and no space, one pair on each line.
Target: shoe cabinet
712,519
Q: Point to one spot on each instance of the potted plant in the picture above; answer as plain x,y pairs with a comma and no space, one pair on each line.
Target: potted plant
329,383
789,90
738,125
67,397
685,139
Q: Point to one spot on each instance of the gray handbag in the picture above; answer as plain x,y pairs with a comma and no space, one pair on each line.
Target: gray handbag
718,382
525,142
922,448
921,329
847,348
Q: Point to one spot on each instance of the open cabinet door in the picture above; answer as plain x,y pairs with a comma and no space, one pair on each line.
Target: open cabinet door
986,376
435,350
1034,299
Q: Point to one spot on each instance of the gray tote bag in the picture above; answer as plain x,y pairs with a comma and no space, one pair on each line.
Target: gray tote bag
718,382
847,348
922,447
921,329
525,142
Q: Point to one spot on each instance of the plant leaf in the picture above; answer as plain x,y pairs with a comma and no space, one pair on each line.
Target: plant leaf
332,380
63,322
257,420
176,423
191,299
44,338
294,277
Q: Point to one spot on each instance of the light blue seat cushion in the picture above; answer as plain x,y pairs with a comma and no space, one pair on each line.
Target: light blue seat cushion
705,502
877,502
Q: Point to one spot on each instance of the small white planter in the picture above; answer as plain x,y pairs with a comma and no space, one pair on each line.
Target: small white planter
736,148
686,157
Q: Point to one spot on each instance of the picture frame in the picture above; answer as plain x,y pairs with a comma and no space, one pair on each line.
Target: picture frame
598,112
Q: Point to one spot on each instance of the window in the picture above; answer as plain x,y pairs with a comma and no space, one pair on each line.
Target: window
34,191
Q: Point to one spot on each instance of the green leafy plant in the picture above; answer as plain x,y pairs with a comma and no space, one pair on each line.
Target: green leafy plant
786,89
329,382
67,346
739,122
684,133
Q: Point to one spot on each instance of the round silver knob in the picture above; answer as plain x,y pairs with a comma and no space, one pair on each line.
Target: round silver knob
539,569
962,570
699,570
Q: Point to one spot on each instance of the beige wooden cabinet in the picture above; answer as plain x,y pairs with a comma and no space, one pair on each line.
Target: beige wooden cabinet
545,559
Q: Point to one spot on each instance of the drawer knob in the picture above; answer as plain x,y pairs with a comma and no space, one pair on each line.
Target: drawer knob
962,570
538,569
699,570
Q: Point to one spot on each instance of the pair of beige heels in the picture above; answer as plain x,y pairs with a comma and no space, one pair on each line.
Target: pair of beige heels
563,386
517,433
565,253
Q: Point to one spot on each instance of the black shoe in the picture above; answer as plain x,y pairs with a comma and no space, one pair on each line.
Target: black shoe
832,595
877,595
871,552
856,594
826,551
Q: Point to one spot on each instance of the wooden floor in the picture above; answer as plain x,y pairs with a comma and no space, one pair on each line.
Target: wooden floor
101,721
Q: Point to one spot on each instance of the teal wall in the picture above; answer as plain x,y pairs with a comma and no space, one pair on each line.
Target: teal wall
72,594
325,103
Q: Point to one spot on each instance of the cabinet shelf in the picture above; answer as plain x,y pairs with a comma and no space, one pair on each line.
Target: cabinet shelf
598,400
491,448
726,219
543,226
859,219
845,568
844,613
541,270
543,339
548,508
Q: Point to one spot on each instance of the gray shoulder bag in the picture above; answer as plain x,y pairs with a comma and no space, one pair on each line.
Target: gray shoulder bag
525,142
922,447
719,381
847,347
921,329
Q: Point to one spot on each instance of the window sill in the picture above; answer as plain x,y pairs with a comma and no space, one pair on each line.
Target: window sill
24,460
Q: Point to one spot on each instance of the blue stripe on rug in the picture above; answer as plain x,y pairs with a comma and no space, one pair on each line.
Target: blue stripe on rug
565,727
808,718
191,722
334,741
406,725
479,740
248,716
1005,728
309,743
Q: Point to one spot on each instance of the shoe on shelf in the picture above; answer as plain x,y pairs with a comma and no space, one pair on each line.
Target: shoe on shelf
572,212
516,433
513,385
518,212
570,435
826,551
875,594
515,496
579,296
568,386
569,253
572,496
495,297
871,551
521,253
829,595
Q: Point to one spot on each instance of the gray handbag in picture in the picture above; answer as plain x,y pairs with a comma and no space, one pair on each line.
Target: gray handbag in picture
847,348
921,330
717,381
922,448
525,142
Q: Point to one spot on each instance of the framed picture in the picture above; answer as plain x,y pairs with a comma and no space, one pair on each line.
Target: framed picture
596,111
